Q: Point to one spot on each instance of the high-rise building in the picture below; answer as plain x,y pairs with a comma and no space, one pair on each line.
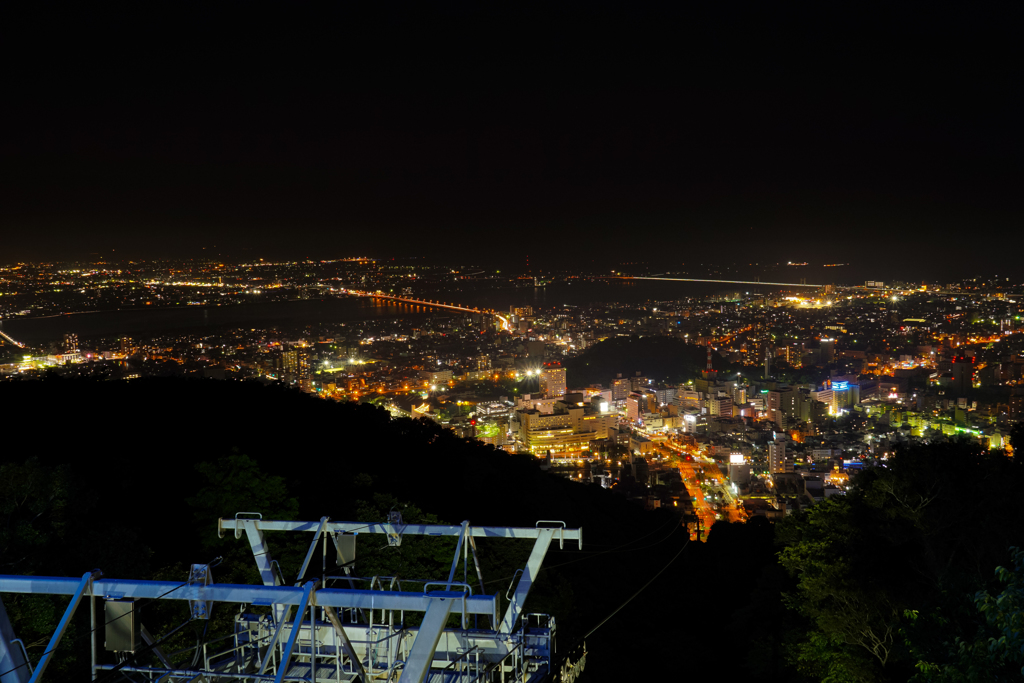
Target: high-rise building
568,430
828,350
786,400
552,381
720,405
293,367
522,312
778,463
290,361
842,396
686,398
636,405
620,388
963,374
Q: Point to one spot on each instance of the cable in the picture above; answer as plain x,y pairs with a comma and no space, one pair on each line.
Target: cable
603,552
199,642
603,621
621,545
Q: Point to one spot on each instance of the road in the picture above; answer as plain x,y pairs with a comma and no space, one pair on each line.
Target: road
694,471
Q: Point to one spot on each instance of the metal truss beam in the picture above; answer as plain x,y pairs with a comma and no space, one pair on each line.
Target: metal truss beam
562,535
239,593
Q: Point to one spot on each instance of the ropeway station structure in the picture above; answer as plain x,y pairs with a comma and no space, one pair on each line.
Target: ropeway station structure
370,629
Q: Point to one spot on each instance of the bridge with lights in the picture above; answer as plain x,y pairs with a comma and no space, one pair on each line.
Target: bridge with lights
8,338
430,302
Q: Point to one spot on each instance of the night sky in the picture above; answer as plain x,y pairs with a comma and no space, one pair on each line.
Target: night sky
592,133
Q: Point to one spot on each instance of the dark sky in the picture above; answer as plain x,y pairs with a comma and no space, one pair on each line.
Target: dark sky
597,132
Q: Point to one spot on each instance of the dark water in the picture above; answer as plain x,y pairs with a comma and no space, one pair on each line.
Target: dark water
329,311
153,321
626,292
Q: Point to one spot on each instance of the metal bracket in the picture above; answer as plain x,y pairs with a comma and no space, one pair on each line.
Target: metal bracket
200,575
395,534
238,527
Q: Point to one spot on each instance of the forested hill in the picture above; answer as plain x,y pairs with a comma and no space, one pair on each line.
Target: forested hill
662,358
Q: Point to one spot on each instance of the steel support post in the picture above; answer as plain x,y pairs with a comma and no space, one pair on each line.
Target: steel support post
47,657
422,654
307,593
260,551
458,548
92,634
312,631
346,644
529,575
312,548
14,665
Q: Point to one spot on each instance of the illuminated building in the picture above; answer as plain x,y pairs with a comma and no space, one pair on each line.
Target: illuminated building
529,401
844,395
290,362
620,388
720,405
786,401
688,399
567,430
524,312
294,367
633,408
640,403
778,463
638,383
436,377
552,381
739,470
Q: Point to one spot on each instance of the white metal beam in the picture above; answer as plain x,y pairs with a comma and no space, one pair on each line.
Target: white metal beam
533,566
240,593
409,529
260,551
312,549
282,667
423,648
14,666
346,644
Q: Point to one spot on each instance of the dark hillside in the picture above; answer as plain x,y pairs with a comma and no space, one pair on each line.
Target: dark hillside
130,477
661,358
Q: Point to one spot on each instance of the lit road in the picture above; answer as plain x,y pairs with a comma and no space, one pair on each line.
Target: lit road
693,472
727,282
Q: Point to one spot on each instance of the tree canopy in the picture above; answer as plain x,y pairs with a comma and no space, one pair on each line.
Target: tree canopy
885,577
